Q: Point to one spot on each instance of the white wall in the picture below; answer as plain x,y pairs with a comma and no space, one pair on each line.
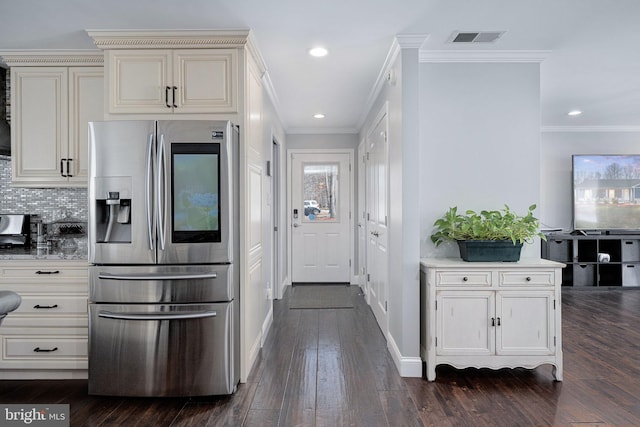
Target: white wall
272,129
302,141
555,166
480,142
402,97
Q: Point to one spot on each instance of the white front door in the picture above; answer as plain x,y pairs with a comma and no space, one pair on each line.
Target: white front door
320,217
377,219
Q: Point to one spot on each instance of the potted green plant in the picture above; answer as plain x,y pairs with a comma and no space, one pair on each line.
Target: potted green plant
496,235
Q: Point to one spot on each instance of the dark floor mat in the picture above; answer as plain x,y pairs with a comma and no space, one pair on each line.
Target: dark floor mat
321,296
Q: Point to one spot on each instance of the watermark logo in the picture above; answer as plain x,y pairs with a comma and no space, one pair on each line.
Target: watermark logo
34,415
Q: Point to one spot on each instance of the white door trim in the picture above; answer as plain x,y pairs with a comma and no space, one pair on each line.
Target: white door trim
290,154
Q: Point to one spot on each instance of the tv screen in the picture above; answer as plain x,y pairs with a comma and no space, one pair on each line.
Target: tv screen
606,192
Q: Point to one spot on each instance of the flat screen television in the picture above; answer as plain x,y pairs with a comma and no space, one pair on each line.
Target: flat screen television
606,193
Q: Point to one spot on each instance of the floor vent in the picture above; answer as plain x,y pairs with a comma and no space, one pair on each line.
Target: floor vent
475,36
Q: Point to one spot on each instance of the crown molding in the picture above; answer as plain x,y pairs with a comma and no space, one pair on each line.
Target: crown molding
551,129
57,57
411,41
524,56
168,39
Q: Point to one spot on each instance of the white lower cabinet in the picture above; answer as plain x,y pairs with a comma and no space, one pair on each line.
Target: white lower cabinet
491,315
47,336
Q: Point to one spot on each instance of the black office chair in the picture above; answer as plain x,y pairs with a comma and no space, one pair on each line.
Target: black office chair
9,301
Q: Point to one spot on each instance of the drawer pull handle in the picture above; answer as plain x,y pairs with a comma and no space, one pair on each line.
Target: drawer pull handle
465,279
48,272
45,306
528,279
45,350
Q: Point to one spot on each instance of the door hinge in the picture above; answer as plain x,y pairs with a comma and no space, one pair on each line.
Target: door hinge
554,341
368,277
349,263
349,167
368,217
554,305
385,306
349,215
436,305
275,228
385,221
367,155
436,341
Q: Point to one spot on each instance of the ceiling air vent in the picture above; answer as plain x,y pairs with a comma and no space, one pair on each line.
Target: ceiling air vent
475,36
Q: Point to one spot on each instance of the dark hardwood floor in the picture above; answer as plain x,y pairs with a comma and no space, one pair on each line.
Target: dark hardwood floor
331,368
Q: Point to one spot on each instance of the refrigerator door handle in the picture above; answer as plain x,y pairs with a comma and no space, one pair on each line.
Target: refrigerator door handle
148,189
160,192
158,316
157,276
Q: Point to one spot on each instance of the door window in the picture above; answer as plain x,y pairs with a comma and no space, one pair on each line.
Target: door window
320,192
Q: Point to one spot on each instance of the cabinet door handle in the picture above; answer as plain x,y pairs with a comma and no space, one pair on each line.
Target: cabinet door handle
166,96
48,272
45,350
62,167
493,321
465,279
498,321
174,97
45,306
69,168
528,279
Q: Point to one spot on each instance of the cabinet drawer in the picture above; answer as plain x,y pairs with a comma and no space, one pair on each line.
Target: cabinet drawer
527,278
52,305
463,278
42,272
36,347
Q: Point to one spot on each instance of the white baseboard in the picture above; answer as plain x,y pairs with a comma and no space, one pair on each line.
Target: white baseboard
410,367
266,325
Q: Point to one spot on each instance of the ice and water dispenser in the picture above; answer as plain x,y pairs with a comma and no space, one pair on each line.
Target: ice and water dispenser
113,210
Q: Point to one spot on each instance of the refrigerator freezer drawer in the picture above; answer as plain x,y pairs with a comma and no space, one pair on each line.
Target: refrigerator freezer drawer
161,284
161,350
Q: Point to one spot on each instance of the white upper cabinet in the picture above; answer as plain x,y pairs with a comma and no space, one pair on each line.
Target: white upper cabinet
180,81
52,104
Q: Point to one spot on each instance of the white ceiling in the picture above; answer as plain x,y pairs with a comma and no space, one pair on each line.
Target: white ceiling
593,63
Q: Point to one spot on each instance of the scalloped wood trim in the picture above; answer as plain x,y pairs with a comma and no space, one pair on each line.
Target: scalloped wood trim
168,39
63,58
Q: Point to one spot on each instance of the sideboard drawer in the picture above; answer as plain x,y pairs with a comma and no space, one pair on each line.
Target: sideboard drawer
463,278
526,278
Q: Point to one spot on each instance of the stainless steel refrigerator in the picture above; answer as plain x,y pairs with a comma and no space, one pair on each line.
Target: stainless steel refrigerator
163,249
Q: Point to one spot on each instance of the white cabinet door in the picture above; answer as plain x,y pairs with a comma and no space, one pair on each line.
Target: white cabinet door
52,106
178,81
39,128
525,323
86,92
464,323
204,80
139,81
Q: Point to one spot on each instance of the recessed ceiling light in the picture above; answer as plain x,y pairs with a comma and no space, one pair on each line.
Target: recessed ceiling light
318,116
574,112
318,52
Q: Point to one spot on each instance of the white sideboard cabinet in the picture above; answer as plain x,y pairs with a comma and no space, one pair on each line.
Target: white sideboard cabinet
53,96
494,315
47,336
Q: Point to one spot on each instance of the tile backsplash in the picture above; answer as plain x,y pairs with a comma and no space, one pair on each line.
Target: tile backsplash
48,203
